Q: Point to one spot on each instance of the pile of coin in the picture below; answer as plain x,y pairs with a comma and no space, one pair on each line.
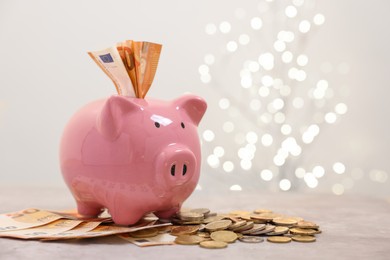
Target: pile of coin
212,230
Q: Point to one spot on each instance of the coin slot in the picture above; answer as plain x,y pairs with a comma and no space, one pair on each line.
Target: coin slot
173,170
184,169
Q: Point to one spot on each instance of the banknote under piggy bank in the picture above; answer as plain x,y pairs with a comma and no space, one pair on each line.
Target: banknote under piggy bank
133,156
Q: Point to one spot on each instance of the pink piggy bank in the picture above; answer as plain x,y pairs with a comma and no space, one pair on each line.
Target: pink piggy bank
133,156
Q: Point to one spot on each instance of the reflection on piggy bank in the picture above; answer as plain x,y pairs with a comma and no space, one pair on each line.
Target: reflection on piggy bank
133,156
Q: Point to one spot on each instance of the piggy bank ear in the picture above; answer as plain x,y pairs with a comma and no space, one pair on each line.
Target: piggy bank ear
194,107
110,120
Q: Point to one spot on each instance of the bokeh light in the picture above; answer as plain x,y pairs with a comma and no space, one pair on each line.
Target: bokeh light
272,107
256,23
225,27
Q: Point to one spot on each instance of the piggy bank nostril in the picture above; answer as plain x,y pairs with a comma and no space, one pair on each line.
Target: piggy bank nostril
173,170
184,169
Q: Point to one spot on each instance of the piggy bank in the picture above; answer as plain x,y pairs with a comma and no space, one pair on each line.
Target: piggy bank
133,156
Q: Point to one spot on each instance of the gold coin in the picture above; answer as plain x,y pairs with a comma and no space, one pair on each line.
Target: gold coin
265,216
188,240
183,222
277,239
251,239
247,226
164,229
184,230
218,225
143,233
285,221
210,214
239,212
212,219
224,236
307,224
203,211
237,224
268,228
203,234
303,231
297,219
256,221
278,231
191,216
246,217
260,211
233,218
301,238
254,229
213,244
199,222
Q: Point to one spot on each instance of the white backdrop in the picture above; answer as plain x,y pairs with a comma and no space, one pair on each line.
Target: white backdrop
46,75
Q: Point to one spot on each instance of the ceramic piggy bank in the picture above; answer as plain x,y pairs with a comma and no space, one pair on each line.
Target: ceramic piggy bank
133,156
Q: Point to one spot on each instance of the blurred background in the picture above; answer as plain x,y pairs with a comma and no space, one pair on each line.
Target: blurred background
297,90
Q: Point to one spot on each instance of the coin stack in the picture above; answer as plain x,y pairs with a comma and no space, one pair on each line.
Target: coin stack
212,230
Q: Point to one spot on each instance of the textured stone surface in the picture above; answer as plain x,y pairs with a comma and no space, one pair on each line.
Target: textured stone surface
353,228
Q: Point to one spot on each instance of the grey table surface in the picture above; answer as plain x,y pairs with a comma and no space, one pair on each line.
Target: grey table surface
354,227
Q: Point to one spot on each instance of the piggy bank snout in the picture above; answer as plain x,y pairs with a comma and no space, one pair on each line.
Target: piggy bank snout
176,165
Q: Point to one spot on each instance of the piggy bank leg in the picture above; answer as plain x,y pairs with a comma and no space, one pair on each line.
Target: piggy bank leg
88,209
125,217
166,214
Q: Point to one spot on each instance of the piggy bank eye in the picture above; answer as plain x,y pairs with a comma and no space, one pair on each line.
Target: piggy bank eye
182,125
157,124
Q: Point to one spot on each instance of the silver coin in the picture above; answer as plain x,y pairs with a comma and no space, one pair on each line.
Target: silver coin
254,229
251,239
267,229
